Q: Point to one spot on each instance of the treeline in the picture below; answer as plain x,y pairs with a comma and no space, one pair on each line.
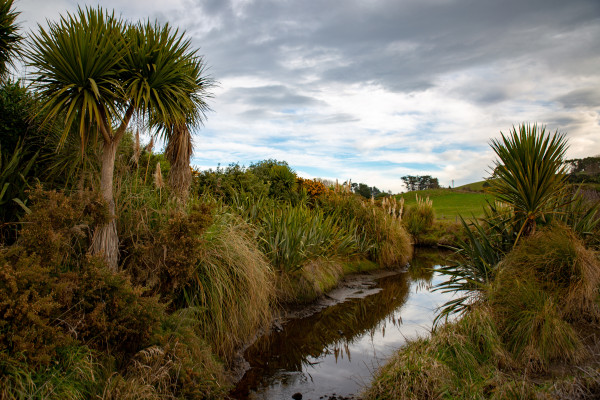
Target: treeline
419,182
584,170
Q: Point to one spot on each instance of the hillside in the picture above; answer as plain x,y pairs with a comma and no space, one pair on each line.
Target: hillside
449,203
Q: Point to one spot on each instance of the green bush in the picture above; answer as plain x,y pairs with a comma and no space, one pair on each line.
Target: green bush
378,236
280,178
419,217
229,183
291,236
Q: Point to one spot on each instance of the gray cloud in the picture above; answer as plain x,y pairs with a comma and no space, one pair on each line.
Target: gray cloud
403,45
580,98
269,96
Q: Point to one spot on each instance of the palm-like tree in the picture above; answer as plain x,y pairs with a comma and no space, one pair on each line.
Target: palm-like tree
178,136
95,71
9,36
530,173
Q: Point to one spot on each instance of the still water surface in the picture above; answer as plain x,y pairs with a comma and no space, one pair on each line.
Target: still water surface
337,350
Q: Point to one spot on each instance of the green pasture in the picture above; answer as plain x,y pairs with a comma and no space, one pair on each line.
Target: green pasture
472,187
449,203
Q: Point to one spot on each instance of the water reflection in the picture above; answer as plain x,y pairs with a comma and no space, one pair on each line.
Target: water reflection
336,349
421,268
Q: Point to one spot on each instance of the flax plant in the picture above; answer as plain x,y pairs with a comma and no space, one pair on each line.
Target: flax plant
530,173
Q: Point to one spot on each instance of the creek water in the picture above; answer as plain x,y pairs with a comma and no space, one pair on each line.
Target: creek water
334,352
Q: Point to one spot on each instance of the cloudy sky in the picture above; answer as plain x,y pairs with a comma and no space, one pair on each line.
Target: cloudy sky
373,90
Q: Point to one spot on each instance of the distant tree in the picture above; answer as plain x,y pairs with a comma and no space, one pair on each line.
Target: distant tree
413,183
410,182
364,190
584,170
588,165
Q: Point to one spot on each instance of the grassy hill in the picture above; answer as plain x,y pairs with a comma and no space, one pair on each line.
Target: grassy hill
449,203
472,187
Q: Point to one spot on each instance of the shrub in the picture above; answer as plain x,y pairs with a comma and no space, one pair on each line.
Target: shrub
229,183
59,226
419,217
377,235
162,247
314,187
280,178
53,295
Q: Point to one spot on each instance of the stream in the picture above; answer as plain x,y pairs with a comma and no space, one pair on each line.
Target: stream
333,351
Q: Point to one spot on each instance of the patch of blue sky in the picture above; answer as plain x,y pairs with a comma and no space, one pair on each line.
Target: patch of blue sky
389,164
459,146
420,166
345,156
288,143
313,171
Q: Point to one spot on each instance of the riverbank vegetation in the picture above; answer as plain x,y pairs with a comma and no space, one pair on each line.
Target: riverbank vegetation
123,272
524,320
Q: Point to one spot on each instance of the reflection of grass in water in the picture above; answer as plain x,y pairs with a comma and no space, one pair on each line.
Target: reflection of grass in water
423,262
327,332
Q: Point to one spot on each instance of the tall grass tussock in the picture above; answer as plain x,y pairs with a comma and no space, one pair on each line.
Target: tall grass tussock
233,285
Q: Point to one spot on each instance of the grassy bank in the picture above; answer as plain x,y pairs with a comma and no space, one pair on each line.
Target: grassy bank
524,320
530,335
196,280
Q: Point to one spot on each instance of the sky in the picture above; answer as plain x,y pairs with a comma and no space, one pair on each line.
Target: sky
374,90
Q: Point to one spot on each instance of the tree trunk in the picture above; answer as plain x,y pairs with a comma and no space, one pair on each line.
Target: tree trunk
105,241
178,152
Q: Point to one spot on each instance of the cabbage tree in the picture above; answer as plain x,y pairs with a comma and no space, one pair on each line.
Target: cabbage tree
10,38
94,71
